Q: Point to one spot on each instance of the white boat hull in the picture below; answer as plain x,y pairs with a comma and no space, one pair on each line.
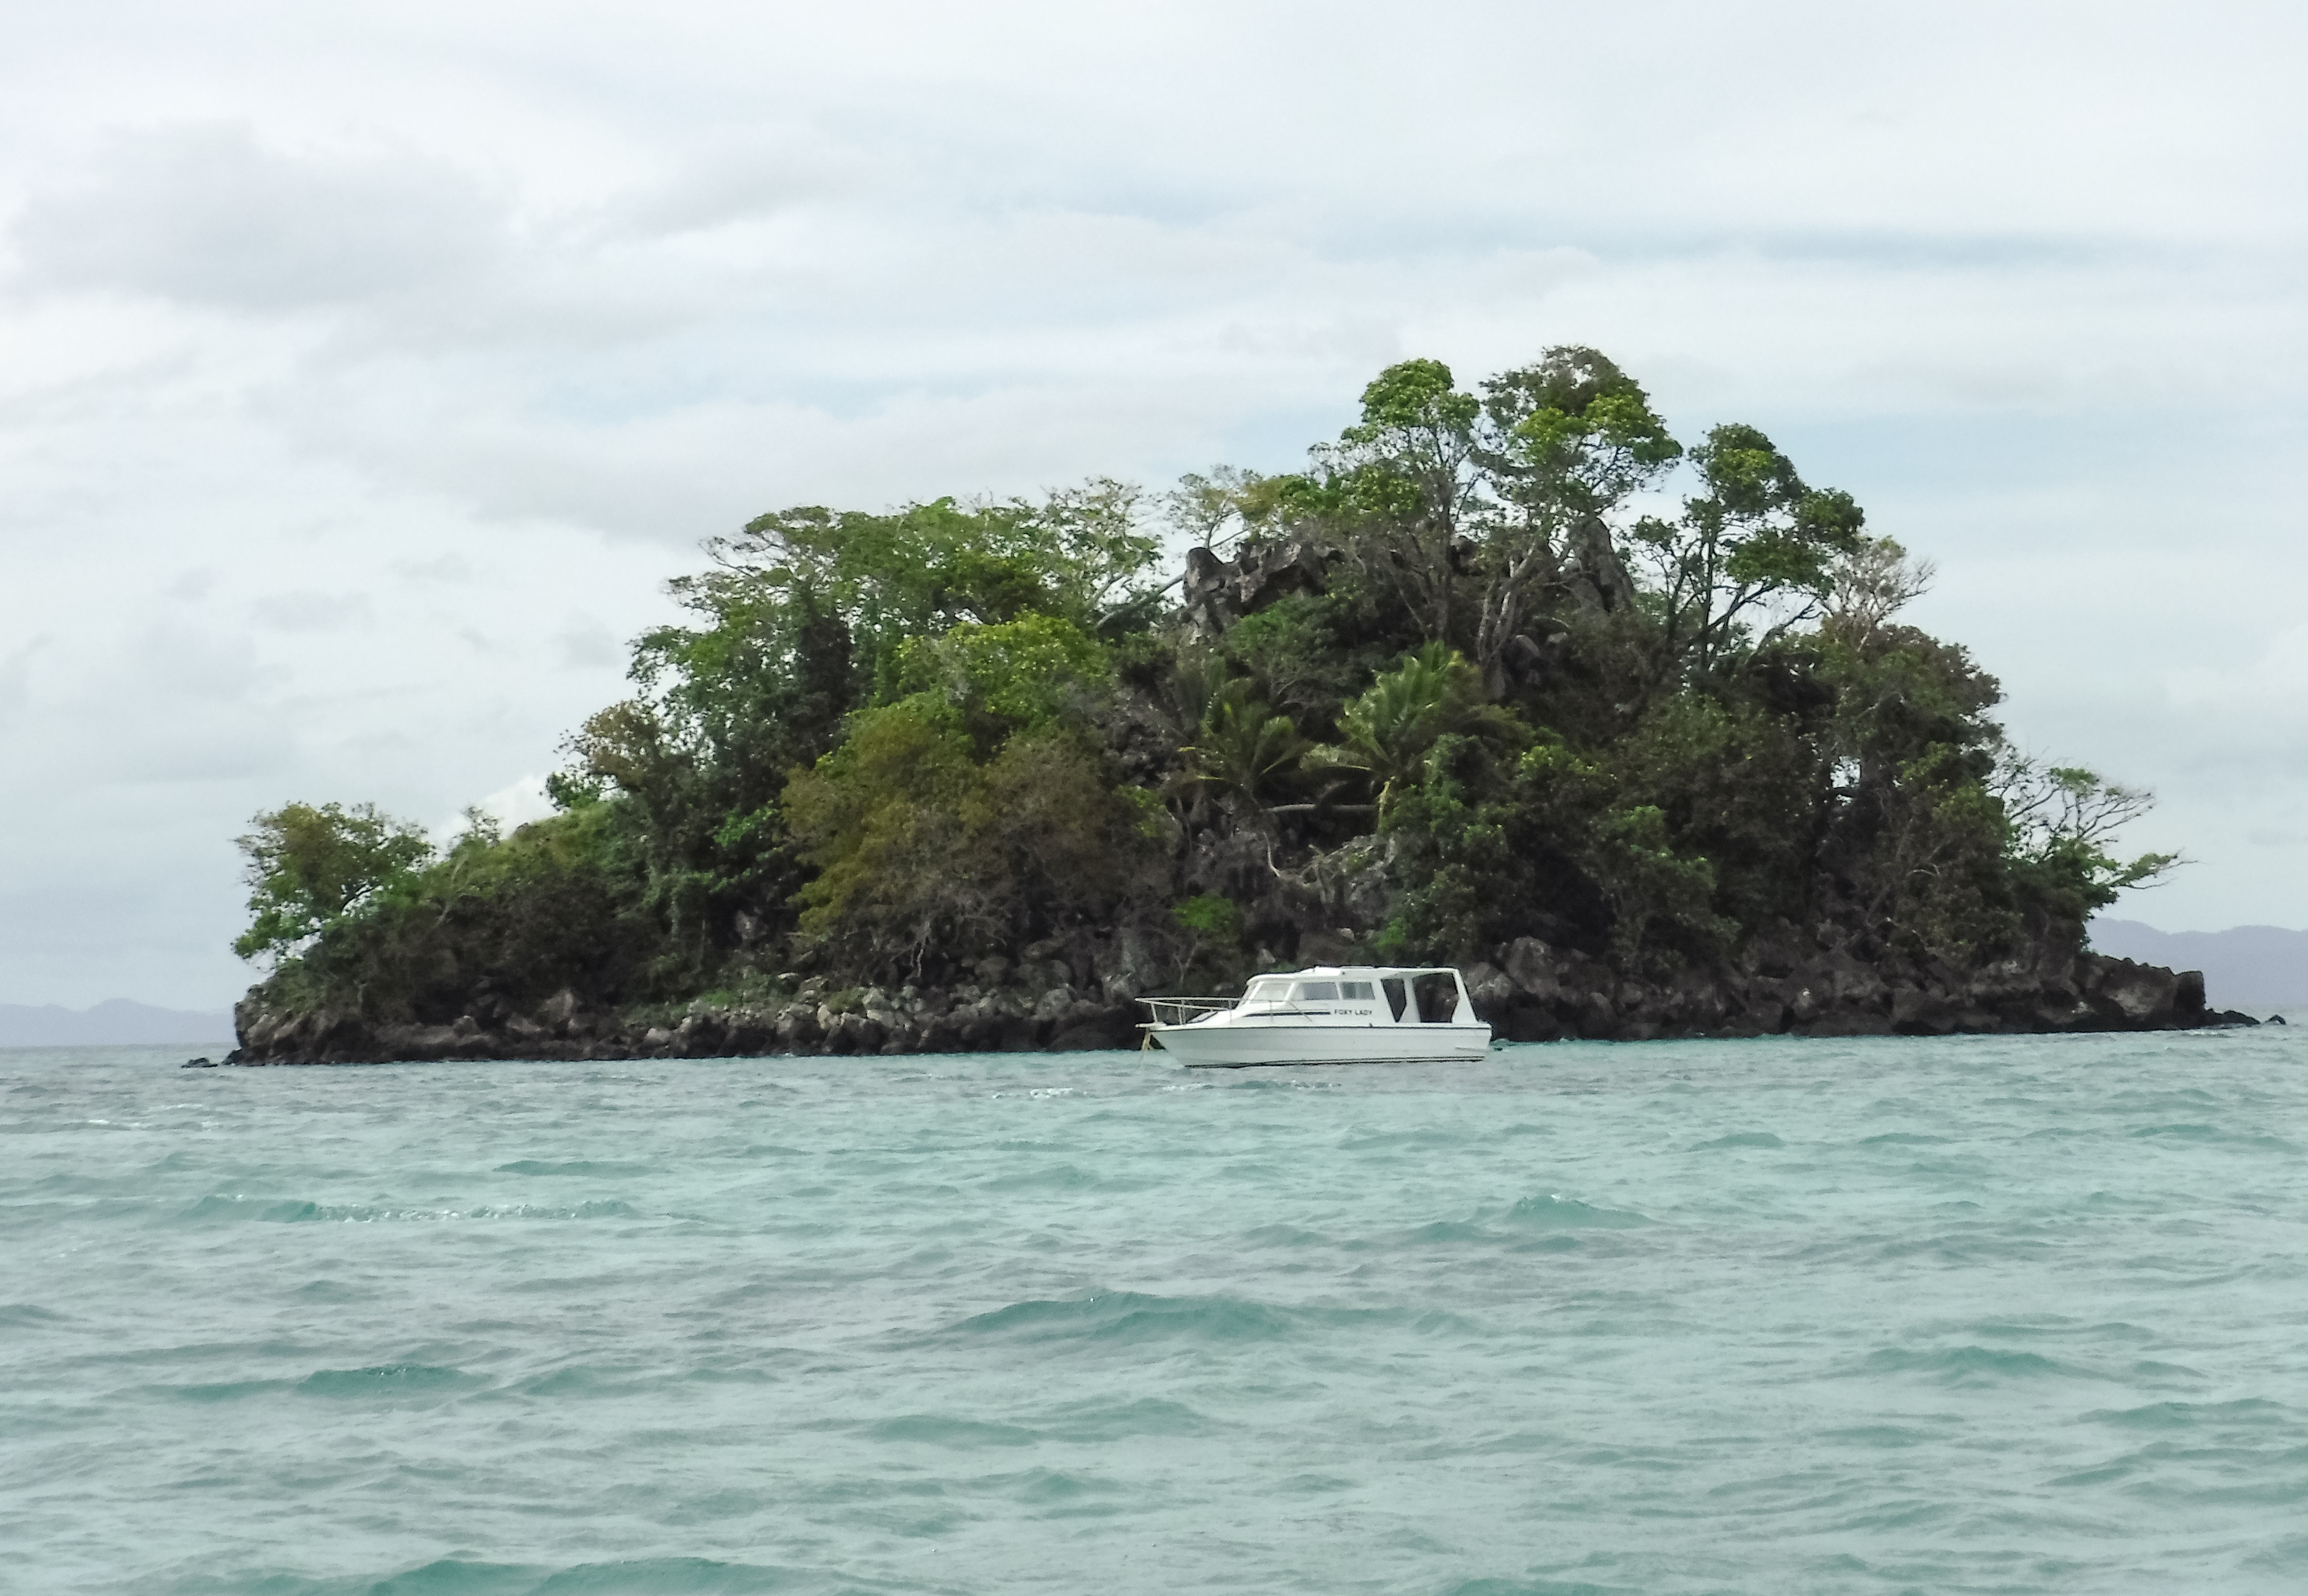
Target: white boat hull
1241,1047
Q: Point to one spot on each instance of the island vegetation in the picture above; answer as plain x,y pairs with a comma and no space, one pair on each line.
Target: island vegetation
1507,677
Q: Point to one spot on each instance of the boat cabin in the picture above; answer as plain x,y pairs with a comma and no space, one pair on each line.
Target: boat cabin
1359,995
1332,995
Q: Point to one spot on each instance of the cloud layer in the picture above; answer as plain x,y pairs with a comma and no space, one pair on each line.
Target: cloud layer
371,367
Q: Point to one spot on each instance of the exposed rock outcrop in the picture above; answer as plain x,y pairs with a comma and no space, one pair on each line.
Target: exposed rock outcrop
1537,993
1218,593
1064,997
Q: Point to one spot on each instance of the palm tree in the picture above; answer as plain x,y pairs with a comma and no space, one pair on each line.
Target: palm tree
1387,731
1244,747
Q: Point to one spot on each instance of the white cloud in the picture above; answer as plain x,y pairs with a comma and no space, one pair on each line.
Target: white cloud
516,803
333,613
207,216
2269,691
586,644
16,678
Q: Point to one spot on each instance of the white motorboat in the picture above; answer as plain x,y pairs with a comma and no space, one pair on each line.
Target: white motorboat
1356,1013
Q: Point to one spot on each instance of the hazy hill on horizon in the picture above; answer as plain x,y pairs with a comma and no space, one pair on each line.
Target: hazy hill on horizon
2252,968
117,1022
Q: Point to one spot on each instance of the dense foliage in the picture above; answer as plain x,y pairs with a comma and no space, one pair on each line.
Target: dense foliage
1530,666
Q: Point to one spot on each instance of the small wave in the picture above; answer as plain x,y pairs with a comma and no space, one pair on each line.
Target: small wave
669,1576
1744,1139
1059,1177
577,1380
1421,1137
1132,1316
291,1211
2213,1133
1878,1435
1957,1365
219,1391
1148,1416
26,1316
1444,1232
388,1379
1054,1487
532,1166
2149,1369
1555,1212
959,1434
451,1577
1904,1138
1283,1235
2288,1556
1314,1485
2187,1415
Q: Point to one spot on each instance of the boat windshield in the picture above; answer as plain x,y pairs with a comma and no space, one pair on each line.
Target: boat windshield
1265,989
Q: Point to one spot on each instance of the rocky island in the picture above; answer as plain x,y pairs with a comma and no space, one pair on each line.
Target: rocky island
1510,678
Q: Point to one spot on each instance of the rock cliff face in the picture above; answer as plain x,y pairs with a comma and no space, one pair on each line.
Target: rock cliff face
1533,993
1217,593
871,1020
1082,997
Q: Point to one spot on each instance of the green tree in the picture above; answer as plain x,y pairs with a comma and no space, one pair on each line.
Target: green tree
1080,555
1294,650
1566,442
1754,548
1596,836
926,857
2062,821
1031,672
1387,731
309,868
1402,485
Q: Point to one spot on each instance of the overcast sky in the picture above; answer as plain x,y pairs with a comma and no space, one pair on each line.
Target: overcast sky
369,367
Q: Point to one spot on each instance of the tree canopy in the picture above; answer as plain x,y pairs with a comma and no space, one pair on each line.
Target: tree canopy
1531,666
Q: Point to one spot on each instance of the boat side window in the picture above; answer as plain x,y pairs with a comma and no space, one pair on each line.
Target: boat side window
1438,998
1318,991
1354,991
1397,998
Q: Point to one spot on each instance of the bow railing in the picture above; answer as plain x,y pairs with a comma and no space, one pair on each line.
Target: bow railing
1185,1011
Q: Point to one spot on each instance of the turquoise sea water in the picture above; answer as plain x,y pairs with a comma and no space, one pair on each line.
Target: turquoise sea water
1981,1315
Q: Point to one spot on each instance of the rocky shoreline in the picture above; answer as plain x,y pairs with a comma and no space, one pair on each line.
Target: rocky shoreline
1528,991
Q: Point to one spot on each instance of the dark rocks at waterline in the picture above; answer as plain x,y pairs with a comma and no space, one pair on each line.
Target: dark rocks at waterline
867,1023
1536,993
1528,992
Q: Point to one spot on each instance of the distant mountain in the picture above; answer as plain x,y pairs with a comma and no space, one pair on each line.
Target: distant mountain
116,1022
2257,969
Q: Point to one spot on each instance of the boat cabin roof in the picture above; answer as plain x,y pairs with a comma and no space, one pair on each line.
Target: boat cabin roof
1357,971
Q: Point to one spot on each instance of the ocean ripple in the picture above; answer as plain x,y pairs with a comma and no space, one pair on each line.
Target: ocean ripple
1986,1314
